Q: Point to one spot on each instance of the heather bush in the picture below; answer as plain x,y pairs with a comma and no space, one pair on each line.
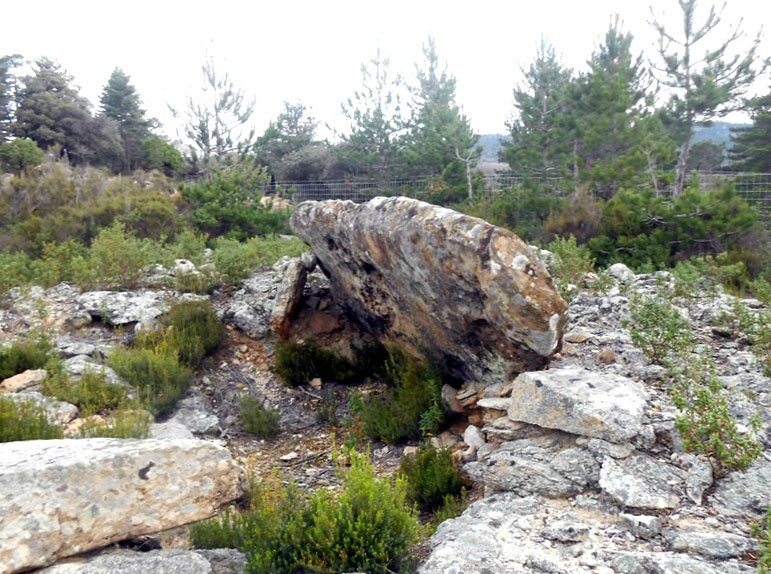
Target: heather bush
92,393
194,329
25,420
30,353
258,419
125,422
432,475
296,363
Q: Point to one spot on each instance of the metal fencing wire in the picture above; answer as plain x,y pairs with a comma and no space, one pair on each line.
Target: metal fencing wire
755,188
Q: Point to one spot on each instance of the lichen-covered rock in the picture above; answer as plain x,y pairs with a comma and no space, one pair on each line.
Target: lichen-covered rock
641,481
581,402
471,296
225,561
123,307
65,497
289,294
744,493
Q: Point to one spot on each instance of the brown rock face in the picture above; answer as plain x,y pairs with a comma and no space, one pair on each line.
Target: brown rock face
470,296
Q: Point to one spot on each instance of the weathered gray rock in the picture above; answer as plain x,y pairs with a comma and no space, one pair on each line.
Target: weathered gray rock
621,272
123,307
641,481
472,436
744,493
170,431
469,295
698,479
578,401
288,297
708,543
78,365
70,347
65,497
566,530
58,412
670,563
226,561
546,465
642,526
194,413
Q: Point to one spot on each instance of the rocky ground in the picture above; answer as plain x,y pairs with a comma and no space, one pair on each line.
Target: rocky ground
577,468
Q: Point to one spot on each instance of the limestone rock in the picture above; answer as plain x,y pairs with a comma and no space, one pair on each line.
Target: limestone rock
574,400
99,491
642,526
224,561
670,563
621,272
469,295
193,413
26,381
123,307
57,412
744,493
472,436
641,481
288,297
709,544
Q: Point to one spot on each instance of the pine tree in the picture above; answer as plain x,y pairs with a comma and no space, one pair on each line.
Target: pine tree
7,94
121,103
704,88
542,134
373,147
440,141
751,149
292,130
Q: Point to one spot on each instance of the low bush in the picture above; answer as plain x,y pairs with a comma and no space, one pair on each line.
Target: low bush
432,475
411,407
92,394
235,260
25,420
368,527
299,362
156,373
194,330
258,419
571,261
762,531
658,328
31,353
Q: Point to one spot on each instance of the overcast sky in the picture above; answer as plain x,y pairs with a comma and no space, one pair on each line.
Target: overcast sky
311,51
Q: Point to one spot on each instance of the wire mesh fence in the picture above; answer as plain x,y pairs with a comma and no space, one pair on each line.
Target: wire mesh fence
755,188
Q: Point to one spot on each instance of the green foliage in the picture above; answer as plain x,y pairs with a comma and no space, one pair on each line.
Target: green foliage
156,374
705,423
92,394
25,421
227,204
756,327
117,258
570,263
658,328
120,102
30,353
194,330
452,507
299,362
398,414
258,419
125,422
431,476
367,528
641,229
236,261
20,154
751,150
762,531
161,155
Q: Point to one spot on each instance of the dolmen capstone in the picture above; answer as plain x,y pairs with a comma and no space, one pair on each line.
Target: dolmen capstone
471,297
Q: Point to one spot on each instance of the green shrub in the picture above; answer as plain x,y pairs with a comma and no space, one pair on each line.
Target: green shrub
705,422
452,507
431,475
258,419
658,328
92,394
762,531
20,154
409,408
117,258
15,270
161,155
25,421
299,362
156,374
123,423
570,263
31,353
194,330
235,260
368,527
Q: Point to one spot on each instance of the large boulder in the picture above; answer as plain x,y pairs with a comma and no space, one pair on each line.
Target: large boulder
65,497
470,296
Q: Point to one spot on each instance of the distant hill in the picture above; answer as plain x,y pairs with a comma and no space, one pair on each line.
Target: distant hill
491,145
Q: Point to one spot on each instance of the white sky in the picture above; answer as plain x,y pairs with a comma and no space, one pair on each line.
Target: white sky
311,51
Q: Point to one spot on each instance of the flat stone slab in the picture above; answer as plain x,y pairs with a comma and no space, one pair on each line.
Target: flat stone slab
65,497
466,294
154,562
123,307
578,401
745,493
641,481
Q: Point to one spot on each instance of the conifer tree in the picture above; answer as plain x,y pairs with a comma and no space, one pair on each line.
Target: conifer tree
8,89
121,103
751,149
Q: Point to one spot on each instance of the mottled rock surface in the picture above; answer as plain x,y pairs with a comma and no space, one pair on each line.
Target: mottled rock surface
469,295
641,481
65,497
581,402
155,562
